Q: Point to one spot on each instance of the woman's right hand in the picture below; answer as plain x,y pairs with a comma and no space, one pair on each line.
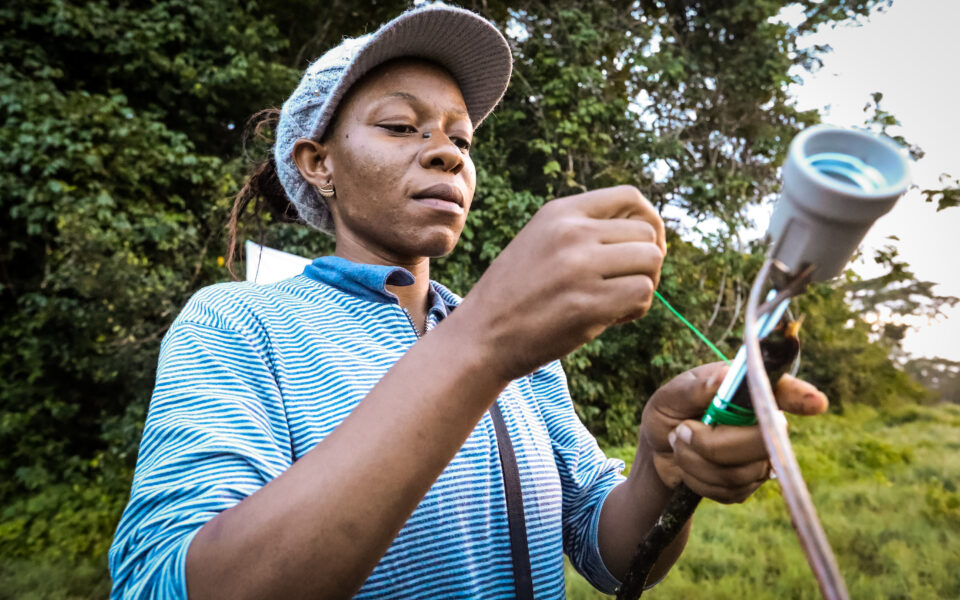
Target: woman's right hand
581,264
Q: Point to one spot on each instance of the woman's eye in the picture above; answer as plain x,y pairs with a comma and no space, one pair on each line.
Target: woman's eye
399,128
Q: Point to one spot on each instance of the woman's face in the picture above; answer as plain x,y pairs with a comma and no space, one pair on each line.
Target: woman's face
399,158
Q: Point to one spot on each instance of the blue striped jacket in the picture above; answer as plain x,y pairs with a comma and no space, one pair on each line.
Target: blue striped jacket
251,377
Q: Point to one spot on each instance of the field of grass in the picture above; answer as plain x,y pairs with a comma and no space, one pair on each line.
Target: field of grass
885,484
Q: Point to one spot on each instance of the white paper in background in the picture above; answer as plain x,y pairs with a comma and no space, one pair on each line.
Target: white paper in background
266,265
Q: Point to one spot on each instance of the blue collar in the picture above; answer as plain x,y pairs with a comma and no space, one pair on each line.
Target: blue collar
368,281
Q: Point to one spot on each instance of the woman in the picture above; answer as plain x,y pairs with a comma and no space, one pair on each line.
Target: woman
335,434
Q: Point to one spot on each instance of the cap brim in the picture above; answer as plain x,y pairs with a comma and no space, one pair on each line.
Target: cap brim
471,48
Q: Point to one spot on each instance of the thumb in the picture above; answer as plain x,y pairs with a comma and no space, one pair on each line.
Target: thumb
688,395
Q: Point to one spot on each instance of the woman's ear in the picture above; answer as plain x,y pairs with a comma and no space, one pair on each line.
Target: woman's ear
314,162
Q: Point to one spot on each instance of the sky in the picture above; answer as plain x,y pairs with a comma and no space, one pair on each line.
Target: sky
911,53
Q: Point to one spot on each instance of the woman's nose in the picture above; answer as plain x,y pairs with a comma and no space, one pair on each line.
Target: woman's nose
441,153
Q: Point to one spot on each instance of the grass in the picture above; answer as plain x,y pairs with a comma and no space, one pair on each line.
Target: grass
885,484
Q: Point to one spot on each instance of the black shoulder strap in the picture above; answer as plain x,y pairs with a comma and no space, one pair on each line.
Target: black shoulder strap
519,550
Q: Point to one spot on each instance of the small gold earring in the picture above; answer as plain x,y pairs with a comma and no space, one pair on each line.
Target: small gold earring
326,190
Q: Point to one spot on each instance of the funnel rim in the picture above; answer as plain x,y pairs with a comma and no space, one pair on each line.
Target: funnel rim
801,159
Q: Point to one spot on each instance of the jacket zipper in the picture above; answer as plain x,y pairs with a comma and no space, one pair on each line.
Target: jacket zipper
412,324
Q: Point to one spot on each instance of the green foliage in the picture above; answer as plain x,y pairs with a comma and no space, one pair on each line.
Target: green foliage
946,197
939,375
898,290
33,579
885,487
839,357
98,259
64,522
121,149
878,119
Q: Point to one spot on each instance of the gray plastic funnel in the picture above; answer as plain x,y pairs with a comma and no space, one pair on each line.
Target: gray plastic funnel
836,183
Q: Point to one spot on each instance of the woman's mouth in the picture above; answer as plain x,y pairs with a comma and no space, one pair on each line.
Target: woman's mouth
444,205
442,197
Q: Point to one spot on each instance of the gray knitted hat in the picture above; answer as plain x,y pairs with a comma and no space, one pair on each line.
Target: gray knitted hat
463,42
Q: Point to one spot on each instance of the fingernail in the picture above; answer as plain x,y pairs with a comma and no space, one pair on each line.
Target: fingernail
672,438
712,382
812,401
715,380
684,433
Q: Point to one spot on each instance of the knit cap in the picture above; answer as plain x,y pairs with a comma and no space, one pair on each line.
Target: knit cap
468,46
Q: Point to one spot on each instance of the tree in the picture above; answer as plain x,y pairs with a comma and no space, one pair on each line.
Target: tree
121,149
940,375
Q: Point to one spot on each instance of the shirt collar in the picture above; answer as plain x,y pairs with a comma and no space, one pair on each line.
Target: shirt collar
368,281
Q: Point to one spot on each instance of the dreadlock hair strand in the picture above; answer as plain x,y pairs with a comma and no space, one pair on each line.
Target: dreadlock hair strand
262,188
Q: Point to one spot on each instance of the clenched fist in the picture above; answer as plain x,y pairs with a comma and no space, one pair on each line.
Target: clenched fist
723,463
581,264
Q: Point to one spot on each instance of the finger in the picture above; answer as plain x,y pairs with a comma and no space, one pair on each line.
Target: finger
616,231
624,201
799,397
723,444
719,475
687,395
627,297
719,493
629,258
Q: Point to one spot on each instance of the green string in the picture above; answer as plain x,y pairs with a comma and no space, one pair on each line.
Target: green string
692,328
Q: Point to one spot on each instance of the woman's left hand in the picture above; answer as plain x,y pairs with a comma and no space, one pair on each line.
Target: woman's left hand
724,463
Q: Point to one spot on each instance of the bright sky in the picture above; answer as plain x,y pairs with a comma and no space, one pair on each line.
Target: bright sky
911,53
